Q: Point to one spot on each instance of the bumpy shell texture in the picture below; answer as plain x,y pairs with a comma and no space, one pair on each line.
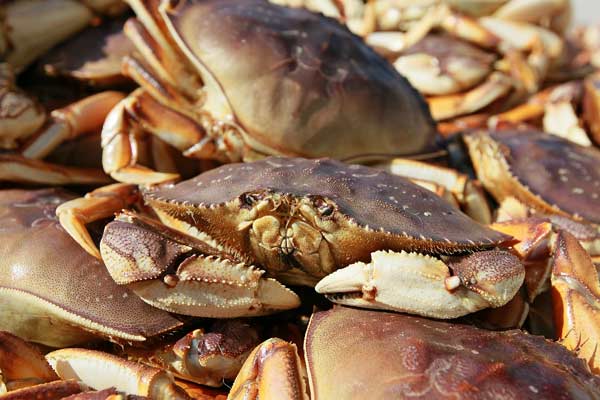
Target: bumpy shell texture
358,354
368,197
299,82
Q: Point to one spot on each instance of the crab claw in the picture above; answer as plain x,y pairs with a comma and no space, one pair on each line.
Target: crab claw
102,371
424,285
576,299
179,278
272,371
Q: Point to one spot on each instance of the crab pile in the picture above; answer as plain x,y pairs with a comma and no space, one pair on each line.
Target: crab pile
298,199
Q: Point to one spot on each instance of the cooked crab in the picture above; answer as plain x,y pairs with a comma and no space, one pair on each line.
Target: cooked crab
359,354
29,28
235,80
548,174
278,215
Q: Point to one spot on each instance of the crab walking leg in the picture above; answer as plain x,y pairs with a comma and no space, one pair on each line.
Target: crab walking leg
576,298
148,38
272,371
159,61
450,106
16,168
20,115
22,364
440,16
47,391
531,10
423,285
84,116
206,357
98,204
121,131
591,105
536,105
542,46
102,371
175,274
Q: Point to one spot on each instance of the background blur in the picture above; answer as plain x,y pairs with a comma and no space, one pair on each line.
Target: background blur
587,11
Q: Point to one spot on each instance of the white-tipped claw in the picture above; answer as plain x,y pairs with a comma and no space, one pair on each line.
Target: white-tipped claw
405,282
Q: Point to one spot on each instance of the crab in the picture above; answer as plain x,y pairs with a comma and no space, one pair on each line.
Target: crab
287,88
525,36
563,180
401,356
29,28
53,293
223,229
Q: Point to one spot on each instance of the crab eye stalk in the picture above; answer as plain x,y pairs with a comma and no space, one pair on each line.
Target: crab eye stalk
323,207
249,199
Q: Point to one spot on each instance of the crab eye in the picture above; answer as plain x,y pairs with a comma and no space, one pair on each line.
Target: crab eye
249,199
323,208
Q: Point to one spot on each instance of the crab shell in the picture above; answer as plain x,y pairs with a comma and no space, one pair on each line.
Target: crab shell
298,83
359,354
545,172
52,291
302,219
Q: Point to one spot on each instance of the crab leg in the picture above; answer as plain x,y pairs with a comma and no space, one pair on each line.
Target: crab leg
102,371
591,105
531,10
205,357
16,168
67,123
450,106
535,106
22,364
149,40
439,16
101,203
576,294
272,371
50,390
120,139
423,285
20,115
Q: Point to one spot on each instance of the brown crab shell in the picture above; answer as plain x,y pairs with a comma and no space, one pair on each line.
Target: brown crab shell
298,82
373,209
544,171
44,267
360,354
